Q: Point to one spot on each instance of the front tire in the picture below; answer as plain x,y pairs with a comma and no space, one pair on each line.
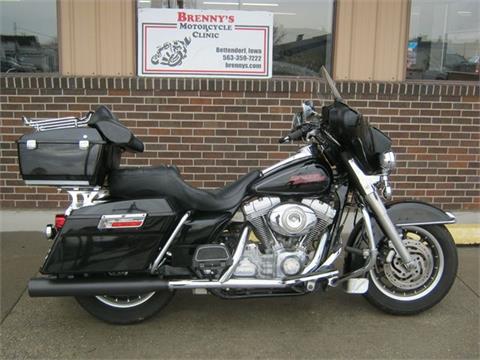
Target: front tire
397,291
125,310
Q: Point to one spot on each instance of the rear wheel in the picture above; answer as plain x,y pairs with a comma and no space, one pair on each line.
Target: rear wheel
396,290
120,309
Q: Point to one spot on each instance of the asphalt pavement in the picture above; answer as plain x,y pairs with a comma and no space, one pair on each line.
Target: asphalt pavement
328,325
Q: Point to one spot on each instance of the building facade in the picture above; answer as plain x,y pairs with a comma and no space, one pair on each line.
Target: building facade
416,80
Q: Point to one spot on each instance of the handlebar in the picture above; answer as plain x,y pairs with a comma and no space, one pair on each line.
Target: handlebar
294,135
298,134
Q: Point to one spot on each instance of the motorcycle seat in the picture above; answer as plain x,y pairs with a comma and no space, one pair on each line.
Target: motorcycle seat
166,181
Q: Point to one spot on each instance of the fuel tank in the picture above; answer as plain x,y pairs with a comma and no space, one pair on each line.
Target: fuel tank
308,178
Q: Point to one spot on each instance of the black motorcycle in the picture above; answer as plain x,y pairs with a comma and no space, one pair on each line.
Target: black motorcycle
132,236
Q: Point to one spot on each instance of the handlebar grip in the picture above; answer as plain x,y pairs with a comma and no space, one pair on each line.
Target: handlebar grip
295,135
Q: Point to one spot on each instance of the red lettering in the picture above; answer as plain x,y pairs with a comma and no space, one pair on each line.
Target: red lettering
181,16
184,17
306,179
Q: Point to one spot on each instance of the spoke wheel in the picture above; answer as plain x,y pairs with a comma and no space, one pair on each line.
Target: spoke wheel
124,302
123,309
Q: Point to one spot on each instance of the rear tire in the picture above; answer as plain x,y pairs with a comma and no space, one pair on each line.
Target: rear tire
125,310
396,291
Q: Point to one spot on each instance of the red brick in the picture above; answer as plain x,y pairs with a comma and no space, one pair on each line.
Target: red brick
217,136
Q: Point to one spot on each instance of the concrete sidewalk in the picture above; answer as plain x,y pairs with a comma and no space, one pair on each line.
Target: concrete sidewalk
330,325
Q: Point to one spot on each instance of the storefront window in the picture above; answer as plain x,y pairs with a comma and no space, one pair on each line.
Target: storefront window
444,42
302,33
28,36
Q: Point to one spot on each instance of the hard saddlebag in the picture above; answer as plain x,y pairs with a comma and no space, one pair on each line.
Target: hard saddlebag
115,236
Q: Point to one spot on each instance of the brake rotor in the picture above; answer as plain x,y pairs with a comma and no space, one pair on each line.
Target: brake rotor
405,279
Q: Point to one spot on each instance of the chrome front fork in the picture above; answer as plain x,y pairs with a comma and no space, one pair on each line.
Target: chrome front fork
370,195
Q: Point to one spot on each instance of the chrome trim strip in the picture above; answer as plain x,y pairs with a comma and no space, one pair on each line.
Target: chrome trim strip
106,221
247,283
237,256
450,215
318,255
58,182
160,256
304,153
429,223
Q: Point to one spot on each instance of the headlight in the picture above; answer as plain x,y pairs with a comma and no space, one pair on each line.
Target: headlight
387,162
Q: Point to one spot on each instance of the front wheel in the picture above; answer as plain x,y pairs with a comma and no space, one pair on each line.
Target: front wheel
125,310
396,290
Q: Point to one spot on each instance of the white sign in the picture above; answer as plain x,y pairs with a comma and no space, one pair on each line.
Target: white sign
204,43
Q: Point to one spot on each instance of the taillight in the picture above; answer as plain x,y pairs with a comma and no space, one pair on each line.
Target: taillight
59,221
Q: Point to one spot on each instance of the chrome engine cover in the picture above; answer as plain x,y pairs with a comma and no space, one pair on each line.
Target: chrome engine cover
292,219
287,231
279,264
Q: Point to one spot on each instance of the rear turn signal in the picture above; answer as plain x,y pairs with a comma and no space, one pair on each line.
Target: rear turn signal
52,230
59,221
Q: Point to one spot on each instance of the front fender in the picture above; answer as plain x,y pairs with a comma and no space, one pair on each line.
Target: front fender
401,213
412,213
417,213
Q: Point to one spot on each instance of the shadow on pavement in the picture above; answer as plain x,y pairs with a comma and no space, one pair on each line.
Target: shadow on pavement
21,255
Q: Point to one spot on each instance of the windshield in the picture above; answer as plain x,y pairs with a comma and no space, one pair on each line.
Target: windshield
331,84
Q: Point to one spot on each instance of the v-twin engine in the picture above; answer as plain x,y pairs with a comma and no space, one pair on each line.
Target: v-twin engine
286,235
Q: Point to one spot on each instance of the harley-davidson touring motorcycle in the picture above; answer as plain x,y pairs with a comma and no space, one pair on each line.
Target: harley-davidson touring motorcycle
131,237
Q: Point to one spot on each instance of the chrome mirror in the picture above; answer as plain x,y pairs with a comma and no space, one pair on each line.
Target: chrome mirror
307,109
297,120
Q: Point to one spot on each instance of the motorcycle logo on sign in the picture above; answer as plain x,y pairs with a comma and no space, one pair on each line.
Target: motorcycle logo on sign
171,53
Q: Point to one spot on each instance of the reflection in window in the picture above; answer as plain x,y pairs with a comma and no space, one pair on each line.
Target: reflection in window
28,36
444,42
302,33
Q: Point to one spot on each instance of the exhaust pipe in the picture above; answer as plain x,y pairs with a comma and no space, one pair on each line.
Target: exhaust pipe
40,287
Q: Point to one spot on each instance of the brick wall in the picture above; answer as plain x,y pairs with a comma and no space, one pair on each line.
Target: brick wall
216,130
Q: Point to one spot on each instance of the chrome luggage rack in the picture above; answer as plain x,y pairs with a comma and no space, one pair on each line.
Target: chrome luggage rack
57,123
84,196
